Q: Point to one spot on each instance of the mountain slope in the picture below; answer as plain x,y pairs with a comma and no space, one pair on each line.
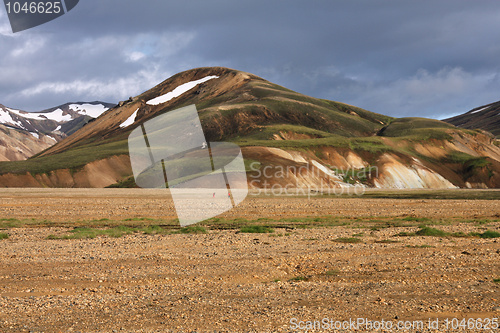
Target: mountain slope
318,142
51,120
486,117
234,104
16,145
36,131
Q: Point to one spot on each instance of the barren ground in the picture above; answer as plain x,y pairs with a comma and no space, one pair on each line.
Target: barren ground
230,281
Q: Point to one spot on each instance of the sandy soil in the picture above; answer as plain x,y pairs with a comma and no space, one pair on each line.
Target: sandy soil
86,204
226,281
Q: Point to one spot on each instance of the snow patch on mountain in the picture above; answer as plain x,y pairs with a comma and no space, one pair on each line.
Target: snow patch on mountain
179,91
56,115
479,110
91,110
130,120
6,118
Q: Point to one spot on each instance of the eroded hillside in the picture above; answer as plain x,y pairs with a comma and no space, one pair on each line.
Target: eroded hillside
315,143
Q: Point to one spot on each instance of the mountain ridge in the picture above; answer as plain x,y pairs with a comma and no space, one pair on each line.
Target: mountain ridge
231,105
37,131
277,127
486,117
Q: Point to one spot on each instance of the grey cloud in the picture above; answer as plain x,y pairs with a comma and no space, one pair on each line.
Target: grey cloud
381,55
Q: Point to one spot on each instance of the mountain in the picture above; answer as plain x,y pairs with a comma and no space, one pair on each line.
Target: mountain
286,138
54,120
24,134
231,105
16,145
486,117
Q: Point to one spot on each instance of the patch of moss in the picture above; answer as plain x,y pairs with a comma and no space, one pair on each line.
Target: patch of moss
348,240
433,232
257,229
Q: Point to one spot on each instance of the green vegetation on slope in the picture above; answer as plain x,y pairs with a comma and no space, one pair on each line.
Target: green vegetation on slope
408,127
70,159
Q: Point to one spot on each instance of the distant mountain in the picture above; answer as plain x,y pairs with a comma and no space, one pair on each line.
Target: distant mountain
486,117
53,119
16,145
298,140
40,130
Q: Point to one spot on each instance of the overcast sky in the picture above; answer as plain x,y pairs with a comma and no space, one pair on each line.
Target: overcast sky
400,57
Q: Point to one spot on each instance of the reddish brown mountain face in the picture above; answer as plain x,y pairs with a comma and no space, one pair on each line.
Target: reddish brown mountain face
485,117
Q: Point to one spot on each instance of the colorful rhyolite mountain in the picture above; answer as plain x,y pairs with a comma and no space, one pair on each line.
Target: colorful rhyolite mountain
24,134
288,140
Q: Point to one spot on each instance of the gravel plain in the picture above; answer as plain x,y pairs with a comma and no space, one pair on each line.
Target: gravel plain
228,281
